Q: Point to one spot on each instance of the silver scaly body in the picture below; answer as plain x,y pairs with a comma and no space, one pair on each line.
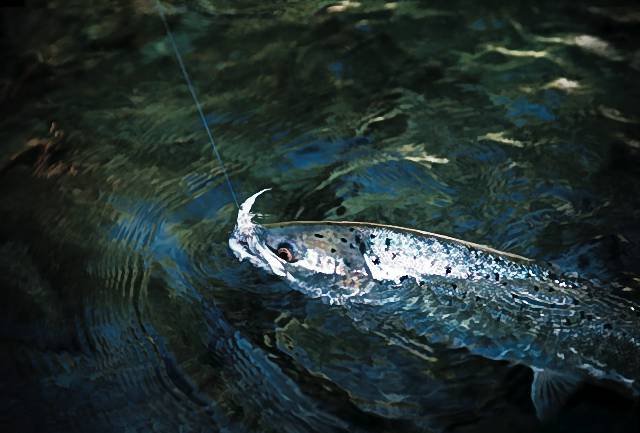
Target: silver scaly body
495,304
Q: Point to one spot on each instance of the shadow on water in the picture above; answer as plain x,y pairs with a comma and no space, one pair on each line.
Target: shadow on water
123,309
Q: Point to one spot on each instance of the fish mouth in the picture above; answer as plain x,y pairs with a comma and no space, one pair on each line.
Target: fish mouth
247,240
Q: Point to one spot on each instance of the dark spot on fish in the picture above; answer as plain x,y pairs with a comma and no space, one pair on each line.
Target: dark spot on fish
318,235
343,240
455,286
358,239
504,283
403,278
421,283
550,289
469,275
589,316
478,298
376,261
486,277
347,264
362,247
387,242
393,256
341,210
513,295
497,276
353,247
536,288
372,236
575,301
447,270
607,326
333,250
351,229
567,321
414,257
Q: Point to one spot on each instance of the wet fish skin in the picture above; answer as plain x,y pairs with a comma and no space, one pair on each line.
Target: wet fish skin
512,299
495,304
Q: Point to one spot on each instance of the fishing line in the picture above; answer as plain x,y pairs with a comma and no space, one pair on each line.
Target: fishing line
192,90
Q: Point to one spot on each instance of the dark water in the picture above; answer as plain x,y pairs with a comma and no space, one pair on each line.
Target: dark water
513,125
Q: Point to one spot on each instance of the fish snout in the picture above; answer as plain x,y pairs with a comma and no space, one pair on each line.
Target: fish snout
244,240
248,240
245,234
250,246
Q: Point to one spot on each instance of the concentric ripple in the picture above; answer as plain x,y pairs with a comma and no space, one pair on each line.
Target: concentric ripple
509,125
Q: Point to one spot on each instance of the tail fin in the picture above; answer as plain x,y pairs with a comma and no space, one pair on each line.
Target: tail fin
550,390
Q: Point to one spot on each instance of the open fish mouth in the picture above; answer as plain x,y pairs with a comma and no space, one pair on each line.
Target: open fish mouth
247,240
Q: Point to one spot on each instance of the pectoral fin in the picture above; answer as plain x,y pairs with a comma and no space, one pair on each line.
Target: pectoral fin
550,390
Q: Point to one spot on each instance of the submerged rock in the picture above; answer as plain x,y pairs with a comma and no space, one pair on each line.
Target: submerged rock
43,155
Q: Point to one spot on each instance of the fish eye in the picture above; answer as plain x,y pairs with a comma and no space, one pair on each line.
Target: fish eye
285,252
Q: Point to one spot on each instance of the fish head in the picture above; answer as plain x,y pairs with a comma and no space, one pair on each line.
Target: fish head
315,257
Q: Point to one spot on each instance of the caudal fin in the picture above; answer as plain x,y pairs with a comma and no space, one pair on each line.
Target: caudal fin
550,390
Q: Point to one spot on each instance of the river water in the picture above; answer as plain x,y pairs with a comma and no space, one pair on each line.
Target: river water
508,124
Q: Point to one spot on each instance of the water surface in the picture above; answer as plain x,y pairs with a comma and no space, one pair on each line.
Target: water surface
512,125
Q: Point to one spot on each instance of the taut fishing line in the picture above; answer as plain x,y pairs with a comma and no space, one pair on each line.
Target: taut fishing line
192,90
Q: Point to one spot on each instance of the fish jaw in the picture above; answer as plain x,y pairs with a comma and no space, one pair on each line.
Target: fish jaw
312,272
247,240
